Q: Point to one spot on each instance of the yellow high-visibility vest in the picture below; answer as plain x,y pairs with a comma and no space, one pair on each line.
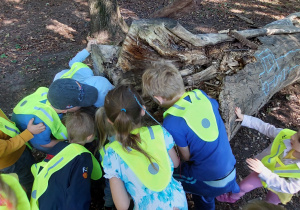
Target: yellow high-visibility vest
271,160
14,184
32,105
198,114
152,142
41,177
8,127
74,68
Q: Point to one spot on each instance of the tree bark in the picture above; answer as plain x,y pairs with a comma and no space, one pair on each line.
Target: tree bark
222,66
107,24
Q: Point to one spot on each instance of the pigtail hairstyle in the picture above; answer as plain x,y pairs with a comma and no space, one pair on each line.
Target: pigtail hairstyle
11,200
123,108
104,128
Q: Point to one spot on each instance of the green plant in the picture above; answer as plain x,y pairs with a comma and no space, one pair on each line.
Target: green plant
3,55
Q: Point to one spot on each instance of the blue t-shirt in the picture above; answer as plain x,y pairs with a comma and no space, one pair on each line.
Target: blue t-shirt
208,160
86,76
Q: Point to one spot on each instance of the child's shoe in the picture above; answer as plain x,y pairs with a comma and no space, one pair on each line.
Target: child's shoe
226,197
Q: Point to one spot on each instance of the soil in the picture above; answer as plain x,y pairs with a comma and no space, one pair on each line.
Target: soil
38,38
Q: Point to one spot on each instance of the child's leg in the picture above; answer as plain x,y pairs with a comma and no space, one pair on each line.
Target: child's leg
204,193
203,202
272,198
251,182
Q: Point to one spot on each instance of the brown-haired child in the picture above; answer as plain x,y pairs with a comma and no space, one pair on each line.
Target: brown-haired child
62,180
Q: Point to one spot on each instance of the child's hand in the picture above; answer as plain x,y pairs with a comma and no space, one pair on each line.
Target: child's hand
35,129
255,165
238,112
89,45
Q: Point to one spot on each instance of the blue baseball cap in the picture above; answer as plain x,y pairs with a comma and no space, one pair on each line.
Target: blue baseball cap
68,93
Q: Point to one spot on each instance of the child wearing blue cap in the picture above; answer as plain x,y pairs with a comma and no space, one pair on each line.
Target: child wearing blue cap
47,106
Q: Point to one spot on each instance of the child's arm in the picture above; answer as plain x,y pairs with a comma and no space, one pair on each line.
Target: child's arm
83,54
119,193
170,146
252,122
274,182
184,153
9,145
174,157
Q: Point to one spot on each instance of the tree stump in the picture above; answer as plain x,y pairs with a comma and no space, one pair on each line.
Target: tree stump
238,68
107,24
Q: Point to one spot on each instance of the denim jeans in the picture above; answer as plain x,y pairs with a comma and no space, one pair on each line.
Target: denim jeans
23,169
108,200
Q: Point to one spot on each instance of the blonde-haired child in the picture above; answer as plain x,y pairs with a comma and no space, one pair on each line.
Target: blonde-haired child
63,179
278,169
12,195
140,161
193,119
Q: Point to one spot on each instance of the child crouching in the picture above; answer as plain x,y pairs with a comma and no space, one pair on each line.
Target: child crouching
194,121
141,159
62,180
278,169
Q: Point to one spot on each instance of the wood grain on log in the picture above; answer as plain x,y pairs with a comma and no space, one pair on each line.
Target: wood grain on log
206,74
216,63
242,39
251,88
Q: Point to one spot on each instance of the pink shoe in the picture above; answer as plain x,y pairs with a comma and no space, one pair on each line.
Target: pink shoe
226,197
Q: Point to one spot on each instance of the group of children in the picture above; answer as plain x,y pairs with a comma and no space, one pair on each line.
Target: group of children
151,165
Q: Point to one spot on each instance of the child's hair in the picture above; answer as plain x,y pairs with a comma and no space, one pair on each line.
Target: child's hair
123,107
262,205
80,126
104,128
9,193
162,79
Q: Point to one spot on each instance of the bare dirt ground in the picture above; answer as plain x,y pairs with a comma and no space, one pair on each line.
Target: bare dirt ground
38,38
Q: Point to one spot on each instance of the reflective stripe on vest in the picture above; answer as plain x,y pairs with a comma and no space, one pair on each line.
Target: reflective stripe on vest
154,144
270,161
13,183
41,178
74,68
198,114
8,127
32,104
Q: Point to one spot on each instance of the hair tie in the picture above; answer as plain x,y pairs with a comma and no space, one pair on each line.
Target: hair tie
123,110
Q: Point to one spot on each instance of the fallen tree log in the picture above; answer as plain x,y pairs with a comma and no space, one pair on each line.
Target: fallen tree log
217,63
